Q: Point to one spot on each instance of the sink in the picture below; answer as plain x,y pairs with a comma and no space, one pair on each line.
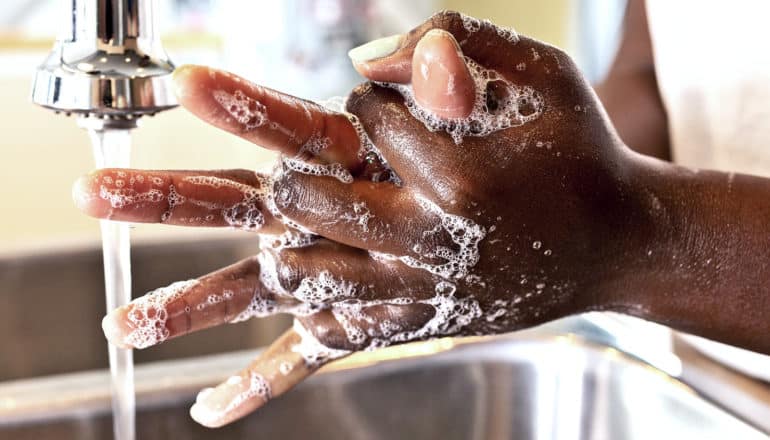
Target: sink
550,382
530,386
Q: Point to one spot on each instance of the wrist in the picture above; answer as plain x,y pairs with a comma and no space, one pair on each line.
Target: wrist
697,259
649,241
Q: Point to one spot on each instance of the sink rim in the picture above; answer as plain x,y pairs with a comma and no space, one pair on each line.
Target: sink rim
177,382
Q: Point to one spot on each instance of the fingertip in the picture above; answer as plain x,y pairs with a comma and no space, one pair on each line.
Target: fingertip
81,193
230,400
85,195
114,330
440,77
203,416
181,80
188,80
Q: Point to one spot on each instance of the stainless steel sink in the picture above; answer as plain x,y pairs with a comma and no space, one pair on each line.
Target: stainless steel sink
544,383
515,387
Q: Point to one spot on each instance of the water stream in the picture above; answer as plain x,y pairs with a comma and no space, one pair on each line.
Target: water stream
112,149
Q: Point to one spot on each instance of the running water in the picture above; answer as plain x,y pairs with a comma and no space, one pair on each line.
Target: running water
112,149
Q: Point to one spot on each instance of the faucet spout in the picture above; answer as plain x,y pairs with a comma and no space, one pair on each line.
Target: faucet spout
109,66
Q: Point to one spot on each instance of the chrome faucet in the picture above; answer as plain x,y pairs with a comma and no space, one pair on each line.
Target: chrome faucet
109,68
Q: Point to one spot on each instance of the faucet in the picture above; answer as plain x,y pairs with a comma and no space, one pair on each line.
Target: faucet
109,68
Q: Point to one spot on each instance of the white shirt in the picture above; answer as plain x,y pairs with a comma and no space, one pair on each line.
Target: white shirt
712,61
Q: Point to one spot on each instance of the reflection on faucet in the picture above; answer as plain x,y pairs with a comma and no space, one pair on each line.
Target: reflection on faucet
110,65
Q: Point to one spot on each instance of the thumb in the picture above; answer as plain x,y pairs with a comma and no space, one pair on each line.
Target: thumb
440,76
434,65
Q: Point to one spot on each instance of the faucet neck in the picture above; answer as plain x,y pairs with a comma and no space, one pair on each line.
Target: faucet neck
114,25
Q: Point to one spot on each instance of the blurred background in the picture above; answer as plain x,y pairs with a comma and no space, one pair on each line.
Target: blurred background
297,46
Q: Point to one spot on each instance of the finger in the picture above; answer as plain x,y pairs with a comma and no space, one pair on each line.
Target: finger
441,81
364,325
228,295
390,59
383,218
290,280
277,370
328,272
266,117
235,198
297,354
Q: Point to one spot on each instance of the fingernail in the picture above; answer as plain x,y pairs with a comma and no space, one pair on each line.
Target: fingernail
376,49
436,33
440,33
113,332
179,77
80,191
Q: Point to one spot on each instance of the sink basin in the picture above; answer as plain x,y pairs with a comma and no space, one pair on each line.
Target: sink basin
537,384
528,386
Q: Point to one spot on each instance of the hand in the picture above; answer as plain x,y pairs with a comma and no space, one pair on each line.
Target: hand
503,195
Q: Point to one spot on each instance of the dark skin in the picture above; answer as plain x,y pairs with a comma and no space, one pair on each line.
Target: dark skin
565,217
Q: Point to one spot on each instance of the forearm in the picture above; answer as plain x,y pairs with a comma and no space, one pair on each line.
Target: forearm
702,264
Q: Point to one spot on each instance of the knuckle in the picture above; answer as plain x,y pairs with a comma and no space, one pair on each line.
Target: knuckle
328,331
287,192
448,20
287,269
275,275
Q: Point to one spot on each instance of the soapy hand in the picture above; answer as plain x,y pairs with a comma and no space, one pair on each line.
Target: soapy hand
476,187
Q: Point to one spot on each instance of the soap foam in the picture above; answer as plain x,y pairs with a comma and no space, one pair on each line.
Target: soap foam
285,368
473,25
314,146
247,111
369,153
261,306
324,289
465,233
335,170
360,215
245,214
123,197
312,350
290,239
508,105
174,199
213,414
148,314
451,315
